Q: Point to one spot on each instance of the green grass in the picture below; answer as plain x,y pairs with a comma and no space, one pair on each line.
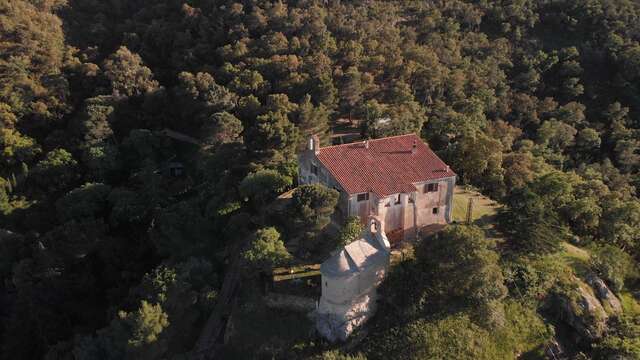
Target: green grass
483,209
575,253
575,257
629,304
572,258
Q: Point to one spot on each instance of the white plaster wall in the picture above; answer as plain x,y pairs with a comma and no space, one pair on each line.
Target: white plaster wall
354,206
339,290
425,202
338,322
393,215
342,290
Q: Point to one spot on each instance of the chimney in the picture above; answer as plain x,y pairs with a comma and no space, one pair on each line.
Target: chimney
314,144
366,144
414,148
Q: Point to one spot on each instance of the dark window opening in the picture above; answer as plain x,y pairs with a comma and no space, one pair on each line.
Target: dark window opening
411,200
431,187
363,197
398,199
314,169
435,211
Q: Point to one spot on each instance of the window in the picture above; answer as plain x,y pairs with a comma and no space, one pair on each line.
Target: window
387,204
314,169
411,200
435,210
363,197
398,199
431,187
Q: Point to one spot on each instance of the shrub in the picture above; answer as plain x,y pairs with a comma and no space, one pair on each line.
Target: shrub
267,249
612,264
351,230
263,185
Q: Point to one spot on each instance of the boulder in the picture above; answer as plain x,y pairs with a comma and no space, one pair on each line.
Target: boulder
586,306
609,300
580,308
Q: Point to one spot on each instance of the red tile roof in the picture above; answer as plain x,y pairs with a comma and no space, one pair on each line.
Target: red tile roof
386,167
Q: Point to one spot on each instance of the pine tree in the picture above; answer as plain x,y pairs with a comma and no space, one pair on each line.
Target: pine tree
313,120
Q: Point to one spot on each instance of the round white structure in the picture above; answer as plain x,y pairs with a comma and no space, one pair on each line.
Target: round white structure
349,281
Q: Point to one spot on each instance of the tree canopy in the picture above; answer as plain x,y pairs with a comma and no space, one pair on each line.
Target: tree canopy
142,142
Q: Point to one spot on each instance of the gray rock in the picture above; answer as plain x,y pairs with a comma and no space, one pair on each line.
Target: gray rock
609,300
580,308
587,305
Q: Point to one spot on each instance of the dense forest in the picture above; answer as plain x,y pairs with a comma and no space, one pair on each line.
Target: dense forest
142,143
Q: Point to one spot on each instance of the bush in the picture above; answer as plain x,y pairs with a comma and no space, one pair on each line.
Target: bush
457,336
461,266
612,264
267,249
310,209
531,223
533,279
622,341
263,186
351,230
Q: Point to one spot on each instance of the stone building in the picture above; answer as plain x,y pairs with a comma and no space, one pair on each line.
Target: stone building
349,281
398,179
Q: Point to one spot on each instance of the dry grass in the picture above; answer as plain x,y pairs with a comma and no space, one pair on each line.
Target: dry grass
483,208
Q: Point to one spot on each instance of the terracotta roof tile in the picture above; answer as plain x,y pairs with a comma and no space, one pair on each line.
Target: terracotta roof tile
386,167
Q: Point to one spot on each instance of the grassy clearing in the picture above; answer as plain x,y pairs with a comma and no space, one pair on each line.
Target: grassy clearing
576,253
483,209
575,257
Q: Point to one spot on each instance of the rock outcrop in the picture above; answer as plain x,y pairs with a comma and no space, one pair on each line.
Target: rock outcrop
587,306
607,298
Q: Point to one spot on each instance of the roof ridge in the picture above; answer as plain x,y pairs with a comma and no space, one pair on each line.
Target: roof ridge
361,141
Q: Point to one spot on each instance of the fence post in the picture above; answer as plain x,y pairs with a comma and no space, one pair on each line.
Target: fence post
470,211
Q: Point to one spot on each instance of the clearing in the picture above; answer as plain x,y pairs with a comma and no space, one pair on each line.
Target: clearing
484,208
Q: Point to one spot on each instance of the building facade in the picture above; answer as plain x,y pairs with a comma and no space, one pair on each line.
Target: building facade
397,179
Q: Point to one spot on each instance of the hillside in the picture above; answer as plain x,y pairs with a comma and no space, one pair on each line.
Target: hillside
143,144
